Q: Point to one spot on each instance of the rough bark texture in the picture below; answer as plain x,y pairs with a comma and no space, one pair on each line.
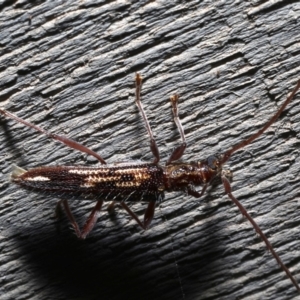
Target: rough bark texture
69,66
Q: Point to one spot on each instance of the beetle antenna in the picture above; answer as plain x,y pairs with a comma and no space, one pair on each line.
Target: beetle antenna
249,140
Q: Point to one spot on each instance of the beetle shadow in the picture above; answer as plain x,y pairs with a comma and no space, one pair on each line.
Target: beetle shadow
112,265
78,269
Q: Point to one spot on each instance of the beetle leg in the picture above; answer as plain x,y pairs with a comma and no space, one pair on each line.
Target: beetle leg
179,150
153,146
90,222
149,213
191,191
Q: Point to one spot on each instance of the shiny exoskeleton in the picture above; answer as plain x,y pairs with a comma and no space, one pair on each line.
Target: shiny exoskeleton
109,182
120,182
125,182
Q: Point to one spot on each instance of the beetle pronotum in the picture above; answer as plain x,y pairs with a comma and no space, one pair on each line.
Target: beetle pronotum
125,182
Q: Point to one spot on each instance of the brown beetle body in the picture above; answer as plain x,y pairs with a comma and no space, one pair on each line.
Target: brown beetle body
118,182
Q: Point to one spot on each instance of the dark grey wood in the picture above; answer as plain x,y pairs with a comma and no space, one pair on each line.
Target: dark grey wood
69,66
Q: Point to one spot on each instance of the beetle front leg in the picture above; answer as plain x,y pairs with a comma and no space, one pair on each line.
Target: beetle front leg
179,150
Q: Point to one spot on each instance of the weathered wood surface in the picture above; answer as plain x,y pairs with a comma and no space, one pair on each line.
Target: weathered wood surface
69,66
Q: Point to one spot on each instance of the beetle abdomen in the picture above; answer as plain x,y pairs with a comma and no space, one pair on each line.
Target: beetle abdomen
111,182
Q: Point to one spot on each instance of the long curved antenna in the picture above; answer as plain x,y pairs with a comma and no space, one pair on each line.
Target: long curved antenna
244,143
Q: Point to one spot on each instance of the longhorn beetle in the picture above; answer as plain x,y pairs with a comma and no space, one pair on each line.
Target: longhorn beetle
148,182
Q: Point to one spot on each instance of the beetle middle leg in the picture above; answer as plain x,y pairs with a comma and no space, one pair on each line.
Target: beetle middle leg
90,222
148,216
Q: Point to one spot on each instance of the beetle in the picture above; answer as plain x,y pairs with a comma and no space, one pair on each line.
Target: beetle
148,182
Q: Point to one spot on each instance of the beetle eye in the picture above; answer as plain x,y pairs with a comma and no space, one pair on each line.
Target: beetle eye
213,162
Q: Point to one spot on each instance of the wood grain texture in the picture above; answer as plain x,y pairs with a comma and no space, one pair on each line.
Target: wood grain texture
69,66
